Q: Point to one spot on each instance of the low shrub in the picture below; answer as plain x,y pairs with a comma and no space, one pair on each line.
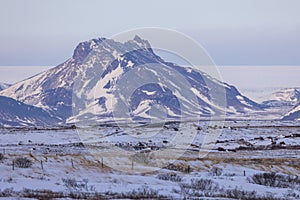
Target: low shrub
143,192
22,162
170,177
74,185
198,188
204,184
1,156
275,180
181,167
6,192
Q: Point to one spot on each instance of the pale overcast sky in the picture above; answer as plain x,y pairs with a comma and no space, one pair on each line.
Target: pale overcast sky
234,32
257,33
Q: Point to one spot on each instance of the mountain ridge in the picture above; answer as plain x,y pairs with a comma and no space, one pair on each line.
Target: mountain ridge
16,113
283,97
3,86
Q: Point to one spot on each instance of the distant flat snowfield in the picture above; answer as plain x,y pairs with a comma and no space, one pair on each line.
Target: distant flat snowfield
253,81
257,82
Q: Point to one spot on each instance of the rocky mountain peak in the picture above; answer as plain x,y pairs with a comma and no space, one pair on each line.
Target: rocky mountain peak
83,49
141,42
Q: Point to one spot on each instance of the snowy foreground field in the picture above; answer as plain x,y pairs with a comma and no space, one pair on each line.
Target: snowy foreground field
249,160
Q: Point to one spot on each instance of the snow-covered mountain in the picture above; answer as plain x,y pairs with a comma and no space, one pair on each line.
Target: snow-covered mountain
294,114
4,86
15,113
284,97
92,79
50,90
286,102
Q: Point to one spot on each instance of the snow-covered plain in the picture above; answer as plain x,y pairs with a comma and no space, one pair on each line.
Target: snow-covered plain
65,165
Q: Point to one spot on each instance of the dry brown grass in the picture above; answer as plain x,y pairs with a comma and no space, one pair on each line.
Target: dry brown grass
282,165
244,159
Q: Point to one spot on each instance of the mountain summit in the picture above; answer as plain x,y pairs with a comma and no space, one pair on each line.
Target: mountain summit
284,97
88,86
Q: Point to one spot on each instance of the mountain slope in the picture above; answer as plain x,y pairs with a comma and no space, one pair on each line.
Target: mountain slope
91,79
284,97
294,114
103,101
15,113
50,90
285,102
4,86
